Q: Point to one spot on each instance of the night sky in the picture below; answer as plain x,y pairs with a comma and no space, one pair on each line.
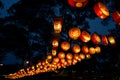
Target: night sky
26,28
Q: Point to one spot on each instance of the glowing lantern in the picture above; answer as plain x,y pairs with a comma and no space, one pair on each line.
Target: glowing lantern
96,38
97,49
55,60
69,61
111,39
65,45
85,49
74,33
57,25
88,56
77,3
69,56
76,56
62,61
105,40
101,10
74,61
49,57
76,48
82,56
85,36
116,17
54,52
61,55
92,50
55,42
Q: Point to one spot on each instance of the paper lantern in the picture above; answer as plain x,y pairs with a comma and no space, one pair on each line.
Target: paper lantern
74,33
65,45
104,40
111,40
85,36
77,3
101,10
116,17
55,60
97,49
57,25
82,56
54,52
96,38
76,56
69,56
92,50
62,61
76,48
61,55
69,61
85,49
55,42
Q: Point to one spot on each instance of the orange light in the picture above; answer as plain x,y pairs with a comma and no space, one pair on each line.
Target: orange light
69,56
104,40
56,59
101,10
76,56
76,48
55,42
85,36
65,45
74,33
97,49
54,52
57,25
111,39
96,38
61,55
92,50
82,56
85,49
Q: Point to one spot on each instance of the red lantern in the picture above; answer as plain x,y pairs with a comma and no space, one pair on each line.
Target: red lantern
85,49
85,36
105,40
65,45
101,10
76,48
61,55
74,33
77,3
96,38
116,17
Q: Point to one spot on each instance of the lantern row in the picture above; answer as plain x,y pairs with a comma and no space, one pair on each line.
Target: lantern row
52,63
99,8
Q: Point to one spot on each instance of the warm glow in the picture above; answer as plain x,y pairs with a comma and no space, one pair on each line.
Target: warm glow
92,50
101,10
55,59
82,56
61,55
57,25
76,56
105,40
55,42
88,56
111,39
74,33
116,17
69,56
96,38
79,4
54,52
85,36
76,48
65,45
85,49
97,49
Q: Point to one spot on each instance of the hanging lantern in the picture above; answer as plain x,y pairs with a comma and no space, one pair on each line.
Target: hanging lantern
82,56
55,42
69,56
74,33
65,45
78,3
85,49
111,39
96,38
85,36
88,56
101,10
57,25
61,55
76,48
116,17
92,50
69,61
62,61
97,49
54,52
76,56
104,40
55,60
